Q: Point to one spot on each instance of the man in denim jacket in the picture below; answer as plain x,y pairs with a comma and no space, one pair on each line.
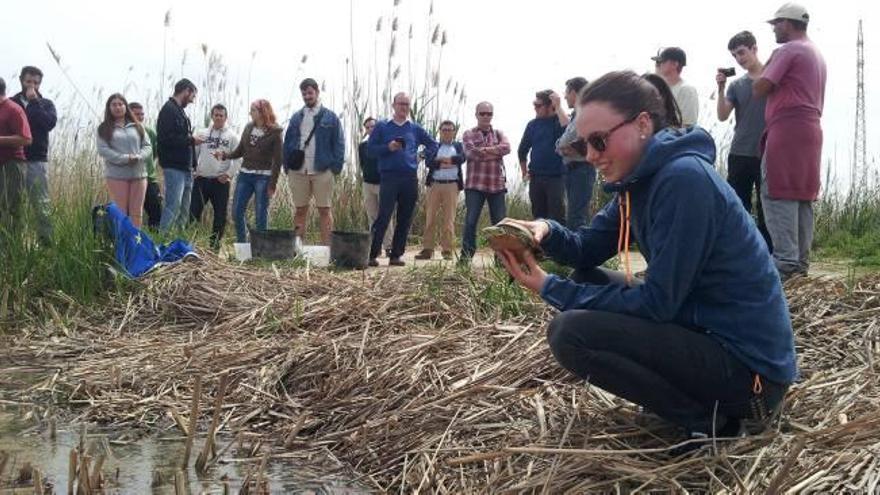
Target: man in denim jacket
324,155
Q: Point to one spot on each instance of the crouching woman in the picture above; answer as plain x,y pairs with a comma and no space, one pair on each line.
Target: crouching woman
705,340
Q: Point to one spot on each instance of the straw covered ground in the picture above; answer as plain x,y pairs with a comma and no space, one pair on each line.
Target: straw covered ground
435,380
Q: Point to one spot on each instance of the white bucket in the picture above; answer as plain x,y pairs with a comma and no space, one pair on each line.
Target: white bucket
318,256
242,251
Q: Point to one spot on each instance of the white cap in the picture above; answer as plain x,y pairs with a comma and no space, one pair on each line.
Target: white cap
791,11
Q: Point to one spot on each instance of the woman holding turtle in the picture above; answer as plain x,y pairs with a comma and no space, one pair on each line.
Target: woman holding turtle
705,341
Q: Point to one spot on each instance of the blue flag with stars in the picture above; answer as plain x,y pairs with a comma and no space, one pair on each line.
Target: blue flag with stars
135,252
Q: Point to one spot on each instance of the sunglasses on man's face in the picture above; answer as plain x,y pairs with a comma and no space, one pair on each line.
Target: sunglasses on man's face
485,114
598,140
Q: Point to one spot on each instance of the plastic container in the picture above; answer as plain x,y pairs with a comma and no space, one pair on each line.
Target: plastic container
273,244
242,251
318,256
349,249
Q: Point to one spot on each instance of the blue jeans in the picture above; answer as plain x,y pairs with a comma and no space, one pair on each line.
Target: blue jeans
247,185
473,203
401,192
178,194
579,183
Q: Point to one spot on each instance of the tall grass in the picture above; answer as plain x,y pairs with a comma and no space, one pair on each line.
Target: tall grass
36,278
848,224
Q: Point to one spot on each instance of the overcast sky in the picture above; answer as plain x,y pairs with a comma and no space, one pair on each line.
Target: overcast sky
500,51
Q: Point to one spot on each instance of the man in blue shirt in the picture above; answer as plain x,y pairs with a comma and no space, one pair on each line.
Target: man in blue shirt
395,145
545,171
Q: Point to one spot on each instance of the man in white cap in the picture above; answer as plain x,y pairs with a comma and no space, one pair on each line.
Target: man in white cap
793,81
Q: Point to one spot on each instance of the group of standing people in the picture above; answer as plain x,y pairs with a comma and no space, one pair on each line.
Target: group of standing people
199,167
777,161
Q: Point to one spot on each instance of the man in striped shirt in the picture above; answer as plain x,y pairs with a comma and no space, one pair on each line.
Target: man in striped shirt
484,149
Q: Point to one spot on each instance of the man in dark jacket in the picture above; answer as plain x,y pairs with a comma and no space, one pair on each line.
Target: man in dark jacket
175,145
444,182
42,118
538,160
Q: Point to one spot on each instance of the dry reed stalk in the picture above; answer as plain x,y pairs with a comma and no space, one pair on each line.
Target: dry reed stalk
209,449
73,470
193,419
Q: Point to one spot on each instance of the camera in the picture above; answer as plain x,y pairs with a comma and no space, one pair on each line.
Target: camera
729,72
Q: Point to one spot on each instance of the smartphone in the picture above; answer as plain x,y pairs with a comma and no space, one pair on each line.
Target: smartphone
729,72
400,141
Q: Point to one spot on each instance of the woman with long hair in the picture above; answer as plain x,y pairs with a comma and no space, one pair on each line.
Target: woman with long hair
260,150
125,148
705,339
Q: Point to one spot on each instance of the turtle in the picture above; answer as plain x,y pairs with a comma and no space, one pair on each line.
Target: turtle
507,235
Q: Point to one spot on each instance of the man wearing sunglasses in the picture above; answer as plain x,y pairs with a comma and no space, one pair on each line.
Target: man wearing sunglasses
538,160
794,83
669,63
485,148
580,175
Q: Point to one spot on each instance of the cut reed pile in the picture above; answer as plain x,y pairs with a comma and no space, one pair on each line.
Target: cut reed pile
409,381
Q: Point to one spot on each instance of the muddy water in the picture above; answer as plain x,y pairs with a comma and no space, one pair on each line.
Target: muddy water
146,465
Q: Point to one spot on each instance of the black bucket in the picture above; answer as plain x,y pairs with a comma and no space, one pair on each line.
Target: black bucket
349,249
273,244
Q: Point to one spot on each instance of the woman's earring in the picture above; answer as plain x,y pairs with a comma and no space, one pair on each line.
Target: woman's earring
643,137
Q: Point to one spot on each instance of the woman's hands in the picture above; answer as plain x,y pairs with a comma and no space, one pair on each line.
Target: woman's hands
528,273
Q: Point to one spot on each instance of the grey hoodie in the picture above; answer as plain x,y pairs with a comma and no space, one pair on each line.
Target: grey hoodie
126,141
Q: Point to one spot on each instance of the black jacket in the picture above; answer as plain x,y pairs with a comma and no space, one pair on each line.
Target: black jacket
42,119
174,142
457,160
369,164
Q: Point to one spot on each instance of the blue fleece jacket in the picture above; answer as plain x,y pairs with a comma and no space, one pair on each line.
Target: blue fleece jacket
540,138
708,266
403,162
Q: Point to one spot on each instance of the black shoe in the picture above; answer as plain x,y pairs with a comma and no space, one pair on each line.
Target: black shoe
372,262
697,440
396,262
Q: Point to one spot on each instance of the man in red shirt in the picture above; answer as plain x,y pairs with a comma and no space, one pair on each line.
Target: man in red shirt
15,134
793,81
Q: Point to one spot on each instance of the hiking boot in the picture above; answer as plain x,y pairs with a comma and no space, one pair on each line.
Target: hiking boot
425,254
447,255
372,262
396,262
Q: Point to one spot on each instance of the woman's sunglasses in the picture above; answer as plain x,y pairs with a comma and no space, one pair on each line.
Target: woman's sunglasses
599,139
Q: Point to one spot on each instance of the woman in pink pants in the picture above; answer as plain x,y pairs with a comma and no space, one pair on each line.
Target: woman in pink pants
123,145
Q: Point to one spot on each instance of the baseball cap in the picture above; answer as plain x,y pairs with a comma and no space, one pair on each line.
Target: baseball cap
671,53
791,11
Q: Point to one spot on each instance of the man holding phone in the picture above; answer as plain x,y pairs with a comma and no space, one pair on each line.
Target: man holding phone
744,160
395,144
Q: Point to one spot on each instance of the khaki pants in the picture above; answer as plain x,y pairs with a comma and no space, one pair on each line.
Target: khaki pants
371,204
440,214
304,187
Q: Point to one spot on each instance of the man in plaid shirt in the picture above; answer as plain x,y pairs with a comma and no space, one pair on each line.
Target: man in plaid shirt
484,149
